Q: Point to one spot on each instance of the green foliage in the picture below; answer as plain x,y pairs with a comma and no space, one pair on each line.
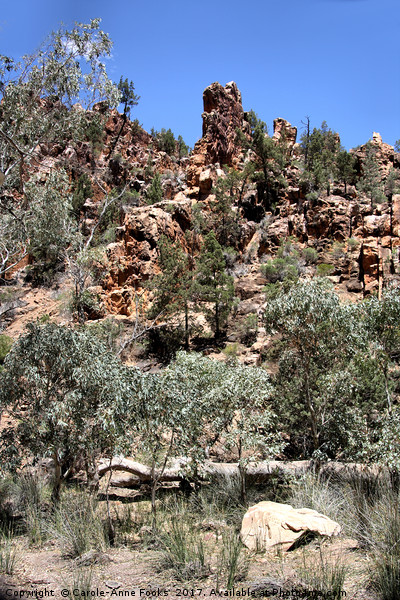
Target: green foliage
195,401
5,346
73,387
49,226
213,285
346,168
392,183
286,266
281,268
173,287
82,191
166,142
323,269
310,255
320,337
248,330
326,573
154,193
183,149
352,244
371,182
184,551
93,131
128,97
320,151
224,221
77,525
9,554
268,162
68,68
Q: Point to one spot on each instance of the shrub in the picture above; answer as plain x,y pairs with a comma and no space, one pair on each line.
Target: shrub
281,268
323,269
82,191
5,346
310,256
249,329
352,244
154,193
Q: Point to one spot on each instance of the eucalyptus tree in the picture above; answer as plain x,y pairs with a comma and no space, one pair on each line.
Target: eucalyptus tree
382,322
38,108
67,396
196,402
319,340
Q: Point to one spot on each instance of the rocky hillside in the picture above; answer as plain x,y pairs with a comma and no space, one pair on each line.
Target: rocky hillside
335,230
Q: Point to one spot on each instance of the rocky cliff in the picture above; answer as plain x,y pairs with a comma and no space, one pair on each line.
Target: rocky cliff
360,240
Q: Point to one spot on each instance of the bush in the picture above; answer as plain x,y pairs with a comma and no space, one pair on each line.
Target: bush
5,346
154,193
323,269
352,244
82,191
279,269
310,256
249,329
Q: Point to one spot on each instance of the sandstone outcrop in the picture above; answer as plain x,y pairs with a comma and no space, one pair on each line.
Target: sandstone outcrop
269,524
223,115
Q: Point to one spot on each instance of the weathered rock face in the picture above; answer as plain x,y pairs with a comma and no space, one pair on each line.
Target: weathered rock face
385,154
133,259
223,115
269,524
283,128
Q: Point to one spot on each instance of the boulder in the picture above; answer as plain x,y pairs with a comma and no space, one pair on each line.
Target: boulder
269,524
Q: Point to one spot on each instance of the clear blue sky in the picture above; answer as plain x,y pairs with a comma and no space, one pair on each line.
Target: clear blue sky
333,60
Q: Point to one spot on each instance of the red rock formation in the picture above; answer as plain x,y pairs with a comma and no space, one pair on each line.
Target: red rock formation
223,115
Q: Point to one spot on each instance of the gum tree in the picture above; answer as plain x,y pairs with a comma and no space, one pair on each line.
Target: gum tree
67,395
38,97
319,338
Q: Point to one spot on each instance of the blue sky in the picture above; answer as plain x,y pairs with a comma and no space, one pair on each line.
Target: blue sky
333,60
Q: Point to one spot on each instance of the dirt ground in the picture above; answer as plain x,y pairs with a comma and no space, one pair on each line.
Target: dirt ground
136,571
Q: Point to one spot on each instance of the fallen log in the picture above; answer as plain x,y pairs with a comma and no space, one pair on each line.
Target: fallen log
134,473
258,472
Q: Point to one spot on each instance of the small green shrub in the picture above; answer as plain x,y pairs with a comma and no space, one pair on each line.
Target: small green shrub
154,193
310,256
5,346
352,244
249,329
323,269
337,250
281,268
231,350
83,190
